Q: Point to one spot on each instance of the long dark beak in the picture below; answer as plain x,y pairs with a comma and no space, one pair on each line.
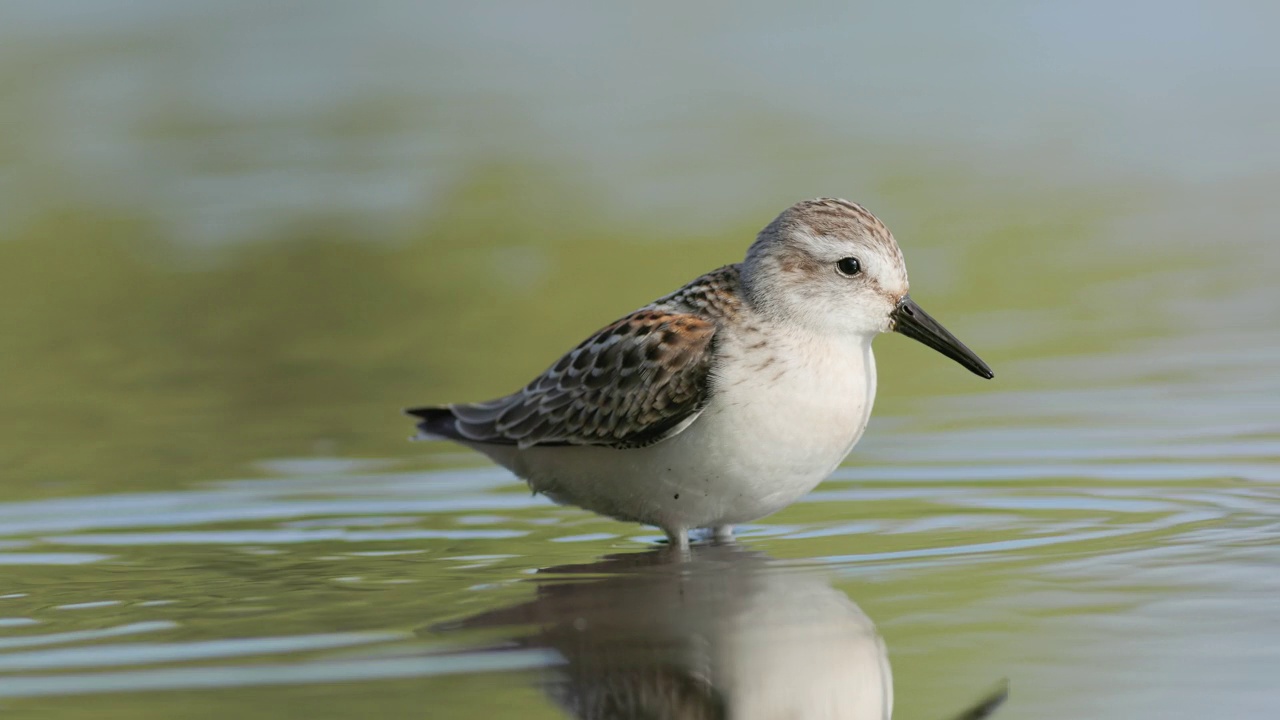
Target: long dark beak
910,320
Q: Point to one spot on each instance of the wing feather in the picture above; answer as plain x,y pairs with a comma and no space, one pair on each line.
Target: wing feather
631,384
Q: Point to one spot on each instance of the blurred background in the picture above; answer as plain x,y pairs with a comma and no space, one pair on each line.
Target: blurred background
237,237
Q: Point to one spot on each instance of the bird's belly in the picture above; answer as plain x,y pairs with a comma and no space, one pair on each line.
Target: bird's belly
755,459
752,452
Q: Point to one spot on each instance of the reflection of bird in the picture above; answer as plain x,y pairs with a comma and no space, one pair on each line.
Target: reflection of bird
987,705
724,401
721,635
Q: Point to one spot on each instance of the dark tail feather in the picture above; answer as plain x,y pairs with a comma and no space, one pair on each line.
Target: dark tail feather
435,423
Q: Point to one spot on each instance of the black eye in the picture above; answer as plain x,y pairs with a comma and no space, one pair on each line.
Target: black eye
849,266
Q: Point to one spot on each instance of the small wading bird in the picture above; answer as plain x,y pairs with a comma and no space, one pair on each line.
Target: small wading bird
726,400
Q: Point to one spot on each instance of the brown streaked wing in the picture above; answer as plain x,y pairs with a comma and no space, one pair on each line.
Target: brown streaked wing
631,384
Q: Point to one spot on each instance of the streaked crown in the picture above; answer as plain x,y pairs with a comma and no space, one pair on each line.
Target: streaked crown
793,268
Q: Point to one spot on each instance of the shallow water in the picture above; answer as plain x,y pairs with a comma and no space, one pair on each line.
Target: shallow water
234,241
1103,570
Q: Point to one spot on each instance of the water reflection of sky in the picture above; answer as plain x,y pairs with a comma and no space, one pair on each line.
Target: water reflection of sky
226,119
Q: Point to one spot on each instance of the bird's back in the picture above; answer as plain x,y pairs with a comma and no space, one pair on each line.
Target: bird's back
633,383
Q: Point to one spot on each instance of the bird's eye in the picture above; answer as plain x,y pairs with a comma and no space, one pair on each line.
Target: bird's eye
849,266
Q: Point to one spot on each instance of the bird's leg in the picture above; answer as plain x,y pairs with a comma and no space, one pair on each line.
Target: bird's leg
724,534
678,538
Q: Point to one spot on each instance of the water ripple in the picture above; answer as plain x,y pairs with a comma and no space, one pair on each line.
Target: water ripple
265,674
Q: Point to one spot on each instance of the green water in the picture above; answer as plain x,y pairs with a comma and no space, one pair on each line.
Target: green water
232,248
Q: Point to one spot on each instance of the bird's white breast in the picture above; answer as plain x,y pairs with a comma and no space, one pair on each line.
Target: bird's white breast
782,417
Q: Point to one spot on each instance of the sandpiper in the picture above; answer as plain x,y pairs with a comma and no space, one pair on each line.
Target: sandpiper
728,399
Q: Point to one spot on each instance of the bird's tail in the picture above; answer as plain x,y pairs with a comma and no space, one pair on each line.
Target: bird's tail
435,423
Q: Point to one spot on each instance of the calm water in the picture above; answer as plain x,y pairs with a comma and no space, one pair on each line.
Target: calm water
235,238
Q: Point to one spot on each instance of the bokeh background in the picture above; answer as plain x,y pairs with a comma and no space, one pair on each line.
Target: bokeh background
236,237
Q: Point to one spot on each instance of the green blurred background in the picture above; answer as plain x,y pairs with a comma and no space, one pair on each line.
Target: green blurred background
230,230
